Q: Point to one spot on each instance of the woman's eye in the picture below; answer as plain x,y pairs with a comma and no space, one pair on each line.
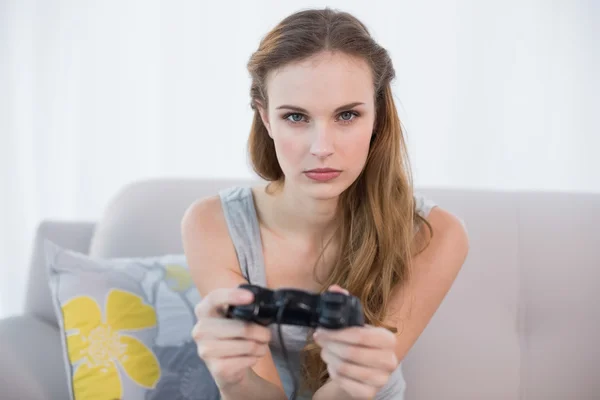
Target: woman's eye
294,117
348,116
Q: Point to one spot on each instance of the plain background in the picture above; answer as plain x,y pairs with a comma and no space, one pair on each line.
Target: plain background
493,95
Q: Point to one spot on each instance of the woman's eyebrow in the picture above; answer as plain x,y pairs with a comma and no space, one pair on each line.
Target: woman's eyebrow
302,110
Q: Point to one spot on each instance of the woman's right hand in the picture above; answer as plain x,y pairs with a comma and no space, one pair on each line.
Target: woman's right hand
229,347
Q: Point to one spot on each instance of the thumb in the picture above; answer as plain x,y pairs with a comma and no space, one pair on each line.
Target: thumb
337,289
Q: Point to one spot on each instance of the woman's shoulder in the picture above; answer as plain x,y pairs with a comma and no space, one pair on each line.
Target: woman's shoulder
209,210
205,236
424,205
215,205
204,214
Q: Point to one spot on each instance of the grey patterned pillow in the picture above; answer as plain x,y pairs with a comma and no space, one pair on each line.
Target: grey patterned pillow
184,375
125,325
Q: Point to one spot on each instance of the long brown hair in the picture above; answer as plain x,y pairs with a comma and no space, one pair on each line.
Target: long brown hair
376,220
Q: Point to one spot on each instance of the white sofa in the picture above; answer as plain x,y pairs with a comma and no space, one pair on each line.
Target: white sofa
521,322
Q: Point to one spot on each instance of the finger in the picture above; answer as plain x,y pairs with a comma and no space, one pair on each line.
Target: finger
221,328
367,336
338,289
367,375
216,301
227,368
231,348
358,389
385,360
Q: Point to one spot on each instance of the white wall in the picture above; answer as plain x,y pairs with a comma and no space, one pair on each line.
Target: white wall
95,94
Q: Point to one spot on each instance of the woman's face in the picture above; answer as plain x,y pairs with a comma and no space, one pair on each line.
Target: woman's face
320,116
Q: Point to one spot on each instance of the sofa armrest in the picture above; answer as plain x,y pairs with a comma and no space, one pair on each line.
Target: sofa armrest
31,360
73,235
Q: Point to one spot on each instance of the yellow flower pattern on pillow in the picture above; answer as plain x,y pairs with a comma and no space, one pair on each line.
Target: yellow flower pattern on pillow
178,278
98,342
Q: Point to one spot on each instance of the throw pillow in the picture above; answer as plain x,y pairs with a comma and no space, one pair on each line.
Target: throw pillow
125,325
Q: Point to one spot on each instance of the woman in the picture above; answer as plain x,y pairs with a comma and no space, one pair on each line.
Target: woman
339,213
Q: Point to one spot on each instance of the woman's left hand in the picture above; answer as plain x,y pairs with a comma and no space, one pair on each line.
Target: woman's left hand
359,360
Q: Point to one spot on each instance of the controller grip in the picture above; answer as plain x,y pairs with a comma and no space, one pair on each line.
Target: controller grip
339,310
255,310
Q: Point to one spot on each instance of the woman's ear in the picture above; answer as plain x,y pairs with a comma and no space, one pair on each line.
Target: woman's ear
264,116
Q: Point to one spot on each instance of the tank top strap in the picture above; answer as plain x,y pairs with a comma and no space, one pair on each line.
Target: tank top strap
244,230
423,204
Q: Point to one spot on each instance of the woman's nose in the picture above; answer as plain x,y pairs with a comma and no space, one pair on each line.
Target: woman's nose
322,145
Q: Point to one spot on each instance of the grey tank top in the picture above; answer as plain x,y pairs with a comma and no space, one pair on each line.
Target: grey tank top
244,230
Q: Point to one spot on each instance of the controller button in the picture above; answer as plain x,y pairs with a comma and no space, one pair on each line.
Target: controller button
333,314
334,298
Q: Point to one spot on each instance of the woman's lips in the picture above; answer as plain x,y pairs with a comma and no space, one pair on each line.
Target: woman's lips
322,174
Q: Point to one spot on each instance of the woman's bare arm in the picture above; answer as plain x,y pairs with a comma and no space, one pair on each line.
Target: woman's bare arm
213,264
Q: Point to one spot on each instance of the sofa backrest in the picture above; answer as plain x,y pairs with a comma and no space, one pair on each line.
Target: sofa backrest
521,321
145,217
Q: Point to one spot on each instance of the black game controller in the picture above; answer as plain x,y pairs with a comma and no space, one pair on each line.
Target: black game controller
330,310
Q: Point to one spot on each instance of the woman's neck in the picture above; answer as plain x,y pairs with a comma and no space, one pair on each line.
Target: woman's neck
293,214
